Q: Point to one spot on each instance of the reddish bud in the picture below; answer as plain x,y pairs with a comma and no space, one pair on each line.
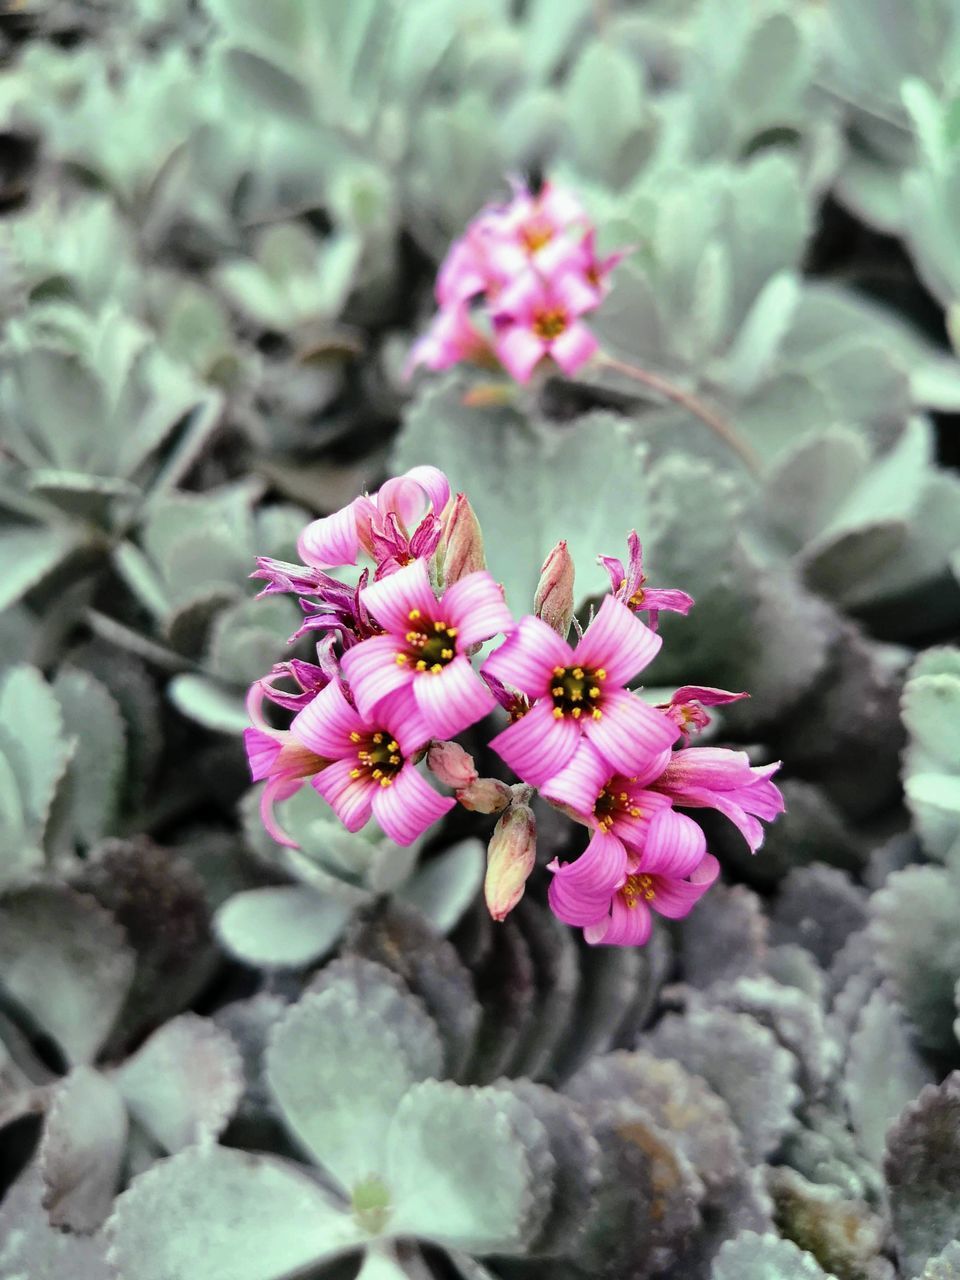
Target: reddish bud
511,856
553,601
451,764
462,550
485,795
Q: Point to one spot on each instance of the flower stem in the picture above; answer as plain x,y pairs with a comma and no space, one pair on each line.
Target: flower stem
718,425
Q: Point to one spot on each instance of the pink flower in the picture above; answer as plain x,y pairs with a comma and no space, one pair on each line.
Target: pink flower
715,778
281,757
533,230
610,889
450,338
628,585
578,694
399,523
538,317
426,646
372,769
686,707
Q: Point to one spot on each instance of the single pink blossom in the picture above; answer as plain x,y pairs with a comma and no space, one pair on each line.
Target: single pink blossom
629,585
715,778
539,230
403,508
686,707
578,693
425,649
280,757
372,769
537,317
610,892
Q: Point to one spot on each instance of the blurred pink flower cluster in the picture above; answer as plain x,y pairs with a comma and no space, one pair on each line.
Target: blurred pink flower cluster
514,289
397,679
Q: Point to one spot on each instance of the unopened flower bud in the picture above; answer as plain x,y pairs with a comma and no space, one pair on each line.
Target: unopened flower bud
462,551
485,795
554,599
451,764
511,857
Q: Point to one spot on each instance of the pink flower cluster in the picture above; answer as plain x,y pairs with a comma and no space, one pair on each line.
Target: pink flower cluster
513,290
396,679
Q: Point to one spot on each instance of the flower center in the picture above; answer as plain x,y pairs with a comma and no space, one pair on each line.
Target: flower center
432,644
536,234
635,888
378,757
549,323
611,803
575,690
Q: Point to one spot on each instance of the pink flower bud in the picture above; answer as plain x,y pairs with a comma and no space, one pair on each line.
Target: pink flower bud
485,795
554,599
511,857
451,764
462,551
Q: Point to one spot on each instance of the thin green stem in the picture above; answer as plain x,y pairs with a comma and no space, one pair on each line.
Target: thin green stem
718,425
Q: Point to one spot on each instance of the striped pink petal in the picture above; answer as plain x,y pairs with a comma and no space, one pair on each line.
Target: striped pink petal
600,869
331,540
629,731
278,788
526,659
675,898
537,746
350,798
625,926
617,641
674,845
476,607
262,750
373,672
452,699
409,806
393,599
574,347
326,723
519,350
580,782
399,715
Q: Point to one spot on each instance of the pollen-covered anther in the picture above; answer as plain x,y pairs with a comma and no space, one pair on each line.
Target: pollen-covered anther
573,686
635,888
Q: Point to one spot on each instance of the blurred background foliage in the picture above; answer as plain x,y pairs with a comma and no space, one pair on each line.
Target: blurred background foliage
221,220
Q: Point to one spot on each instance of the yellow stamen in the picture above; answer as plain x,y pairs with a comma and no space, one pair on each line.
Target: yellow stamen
413,615
558,713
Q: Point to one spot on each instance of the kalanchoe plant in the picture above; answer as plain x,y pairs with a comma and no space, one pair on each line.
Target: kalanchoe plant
397,683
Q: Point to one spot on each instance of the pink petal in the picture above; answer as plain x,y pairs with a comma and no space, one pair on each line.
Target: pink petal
764,798
407,807
674,845
373,672
527,658
672,601
348,797
627,926
575,294
576,908
519,350
262,750
279,788
706,695
650,773
676,898
559,206
520,298
413,494
579,784
629,731
393,599
331,540
600,869
713,767
326,723
746,824
476,607
617,641
452,699
537,746
399,715
573,348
